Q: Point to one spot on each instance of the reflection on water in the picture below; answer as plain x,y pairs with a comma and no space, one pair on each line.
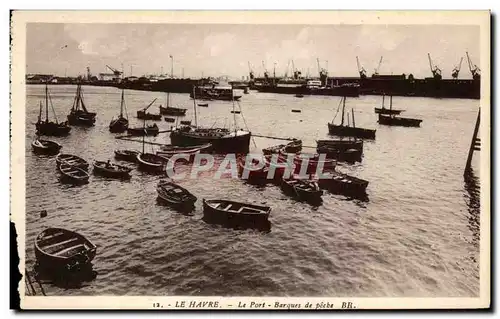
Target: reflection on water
473,200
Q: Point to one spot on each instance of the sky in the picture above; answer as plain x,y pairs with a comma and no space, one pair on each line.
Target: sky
221,49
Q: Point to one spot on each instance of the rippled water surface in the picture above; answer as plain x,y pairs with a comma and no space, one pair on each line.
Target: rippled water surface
415,236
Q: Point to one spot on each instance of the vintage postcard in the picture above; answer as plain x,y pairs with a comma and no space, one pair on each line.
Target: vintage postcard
251,160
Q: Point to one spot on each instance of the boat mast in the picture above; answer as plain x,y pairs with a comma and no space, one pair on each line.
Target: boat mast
121,104
46,101
144,134
40,113
343,109
353,123
234,114
194,106
383,100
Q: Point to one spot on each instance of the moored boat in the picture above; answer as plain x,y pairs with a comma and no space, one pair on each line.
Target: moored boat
345,185
152,163
273,149
167,151
112,170
250,170
127,155
393,120
72,160
383,110
234,213
347,130
302,190
170,110
169,120
61,249
120,124
143,115
341,144
45,147
203,104
47,127
312,161
175,196
150,130
79,115
187,122
73,174
294,146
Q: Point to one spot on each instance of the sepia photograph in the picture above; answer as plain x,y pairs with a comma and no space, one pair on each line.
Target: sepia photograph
251,160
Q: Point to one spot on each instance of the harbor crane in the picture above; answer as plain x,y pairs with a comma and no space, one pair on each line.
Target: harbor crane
115,71
321,71
296,73
436,72
456,70
474,70
250,71
361,70
375,71
266,74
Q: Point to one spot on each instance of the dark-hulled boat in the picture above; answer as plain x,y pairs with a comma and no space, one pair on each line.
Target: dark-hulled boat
311,160
302,190
50,128
175,196
169,110
393,120
120,124
203,104
346,130
149,162
72,160
45,147
214,93
248,169
294,146
273,149
345,185
149,130
79,115
222,140
167,151
383,110
61,249
187,122
233,213
341,144
73,174
111,170
143,115
127,155
169,120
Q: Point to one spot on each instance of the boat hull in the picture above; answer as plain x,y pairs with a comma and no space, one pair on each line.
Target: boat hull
398,121
118,126
172,111
52,129
379,110
239,144
126,156
339,130
346,185
81,118
43,147
123,173
151,163
226,218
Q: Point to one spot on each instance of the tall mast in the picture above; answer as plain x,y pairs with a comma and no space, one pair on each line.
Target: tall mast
353,123
40,113
343,108
194,106
144,134
383,100
121,104
391,103
234,114
46,101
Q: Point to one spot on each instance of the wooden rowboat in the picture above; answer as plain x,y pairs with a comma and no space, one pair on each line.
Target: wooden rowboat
72,160
73,174
111,170
45,147
175,196
151,162
233,213
62,249
127,155
302,190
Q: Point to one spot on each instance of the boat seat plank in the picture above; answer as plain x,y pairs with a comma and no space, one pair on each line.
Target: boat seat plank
227,207
53,236
64,251
61,243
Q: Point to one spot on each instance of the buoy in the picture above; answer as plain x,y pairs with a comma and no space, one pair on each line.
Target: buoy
43,213
296,111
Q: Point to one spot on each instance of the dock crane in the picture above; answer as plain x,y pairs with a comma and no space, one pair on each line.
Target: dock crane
361,70
266,74
375,71
250,71
117,73
296,73
456,70
436,72
476,72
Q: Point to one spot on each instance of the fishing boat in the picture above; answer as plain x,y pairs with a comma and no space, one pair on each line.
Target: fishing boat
233,213
383,110
79,115
222,140
273,149
149,130
46,127
203,104
294,146
150,162
345,185
347,130
143,115
73,174
62,249
169,110
299,95
341,144
45,147
112,170
175,196
120,124
302,190
127,155
72,160
312,161
186,122
167,151
169,119
393,120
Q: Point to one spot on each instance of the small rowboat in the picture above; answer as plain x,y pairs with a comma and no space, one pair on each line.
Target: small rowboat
73,174
169,119
313,160
203,104
175,196
172,110
72,160
111,170
150,130
293,147
273,149
45,147
253,174
299,95
62,249
152,163
345,185
127,155
302,190
233,213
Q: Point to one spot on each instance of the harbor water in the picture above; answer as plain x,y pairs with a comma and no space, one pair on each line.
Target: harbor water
415,235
